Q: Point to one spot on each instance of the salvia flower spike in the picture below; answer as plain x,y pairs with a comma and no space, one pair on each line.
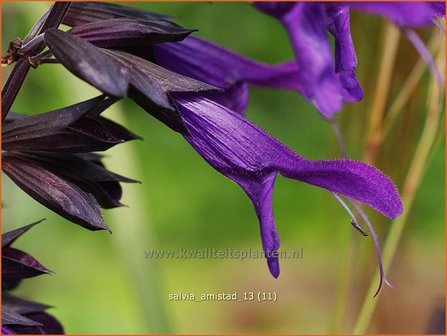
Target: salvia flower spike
196,88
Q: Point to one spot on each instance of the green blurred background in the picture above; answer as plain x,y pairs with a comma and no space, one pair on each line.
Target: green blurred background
103,283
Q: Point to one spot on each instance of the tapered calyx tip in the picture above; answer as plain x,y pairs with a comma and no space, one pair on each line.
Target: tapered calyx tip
273,265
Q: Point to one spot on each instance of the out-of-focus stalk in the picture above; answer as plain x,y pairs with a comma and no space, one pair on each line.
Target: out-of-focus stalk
412,182
388,57
389,50
344,281
132,236
409,86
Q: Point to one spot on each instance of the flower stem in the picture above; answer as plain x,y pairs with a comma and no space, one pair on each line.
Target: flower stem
57,13
13,85
20,70
409,86
412,181
341,142
425,54
388,57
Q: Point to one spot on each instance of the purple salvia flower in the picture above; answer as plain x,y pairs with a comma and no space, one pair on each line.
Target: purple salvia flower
329,84
404,14
407,15
192,57
307,25
192,98
222,68
121,74
252,158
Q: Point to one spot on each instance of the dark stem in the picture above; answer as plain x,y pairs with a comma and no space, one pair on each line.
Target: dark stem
56,15
18,74
42,58
13,84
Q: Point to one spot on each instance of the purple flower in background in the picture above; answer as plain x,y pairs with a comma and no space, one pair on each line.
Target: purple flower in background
404,14
330,83
407,15
21,316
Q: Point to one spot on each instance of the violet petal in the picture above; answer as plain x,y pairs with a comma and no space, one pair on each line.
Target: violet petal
235,97
404,14
251,157
222,68
307,24
345,56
